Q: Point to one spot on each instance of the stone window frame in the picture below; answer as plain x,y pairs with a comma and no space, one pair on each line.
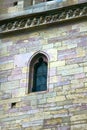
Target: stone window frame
33,60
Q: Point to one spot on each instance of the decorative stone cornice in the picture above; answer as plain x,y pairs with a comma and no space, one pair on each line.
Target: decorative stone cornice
45,18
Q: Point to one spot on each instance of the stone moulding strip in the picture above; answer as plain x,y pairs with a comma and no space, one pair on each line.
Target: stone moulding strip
44,18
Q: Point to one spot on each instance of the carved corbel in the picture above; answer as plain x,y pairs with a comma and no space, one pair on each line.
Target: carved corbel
22,23
76,12
48,19
84,11
55,17
4,27
34,22
9,26
28,23
41,20
69,14
62,16
16,24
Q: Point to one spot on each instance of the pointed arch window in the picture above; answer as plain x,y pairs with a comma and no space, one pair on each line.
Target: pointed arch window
38,73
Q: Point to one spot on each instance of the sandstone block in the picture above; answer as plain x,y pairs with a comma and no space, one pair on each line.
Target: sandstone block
53,121
57,63
10,85
79,117
6,66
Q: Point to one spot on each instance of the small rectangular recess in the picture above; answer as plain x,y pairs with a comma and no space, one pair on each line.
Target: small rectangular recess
13,105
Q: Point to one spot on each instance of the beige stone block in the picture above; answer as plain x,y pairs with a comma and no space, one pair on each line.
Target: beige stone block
61,111
58,89
13,9
47,113
50,100
86,85
20,92
4,54
81,90
54,79
62,48
38,116
83,28
24,69
49,33
10,85
3,51
60,98
20,5
5,44
6,66
53,121
80,100
47,129
44,41
56,99
10,100
22,50
47,46
35,128
6,106
52,54
67,67
72,46
58,44
57,63
24,81
79,126
61,93
33,34
75,96
80,52
65,72
79,117
83,64
3,116
85,69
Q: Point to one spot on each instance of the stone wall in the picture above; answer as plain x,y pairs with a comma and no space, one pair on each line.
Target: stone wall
64,105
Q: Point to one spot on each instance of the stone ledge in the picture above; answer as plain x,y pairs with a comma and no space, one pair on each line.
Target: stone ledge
45,18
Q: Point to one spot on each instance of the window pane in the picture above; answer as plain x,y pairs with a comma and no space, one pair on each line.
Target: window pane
40,77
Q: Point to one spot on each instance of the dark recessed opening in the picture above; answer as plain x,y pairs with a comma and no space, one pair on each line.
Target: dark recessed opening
13,105
49,0
15,3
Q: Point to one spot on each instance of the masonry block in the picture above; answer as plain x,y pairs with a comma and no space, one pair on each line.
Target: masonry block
63,106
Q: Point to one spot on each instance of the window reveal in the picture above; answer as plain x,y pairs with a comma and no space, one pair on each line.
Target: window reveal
40,76
38,73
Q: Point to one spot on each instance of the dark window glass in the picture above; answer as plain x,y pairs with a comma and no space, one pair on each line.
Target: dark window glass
40,76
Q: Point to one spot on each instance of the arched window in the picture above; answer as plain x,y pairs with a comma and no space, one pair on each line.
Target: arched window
38,73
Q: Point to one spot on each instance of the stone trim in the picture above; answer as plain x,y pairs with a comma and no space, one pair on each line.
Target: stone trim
45,18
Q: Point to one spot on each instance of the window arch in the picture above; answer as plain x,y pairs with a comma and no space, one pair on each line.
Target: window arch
38,73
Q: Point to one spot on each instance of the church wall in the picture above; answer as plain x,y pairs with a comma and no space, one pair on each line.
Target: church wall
64,105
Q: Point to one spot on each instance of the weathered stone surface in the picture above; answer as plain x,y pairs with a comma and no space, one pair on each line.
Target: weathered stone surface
64,105
53,121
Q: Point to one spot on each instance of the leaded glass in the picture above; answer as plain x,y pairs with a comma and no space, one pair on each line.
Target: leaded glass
40,76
